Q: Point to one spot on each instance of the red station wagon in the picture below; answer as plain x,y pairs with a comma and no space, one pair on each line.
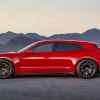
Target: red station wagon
52,56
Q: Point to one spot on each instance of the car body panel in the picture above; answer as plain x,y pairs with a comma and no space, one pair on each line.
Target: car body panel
52,62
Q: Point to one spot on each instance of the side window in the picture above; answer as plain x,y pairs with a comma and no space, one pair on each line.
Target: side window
44,48
60,47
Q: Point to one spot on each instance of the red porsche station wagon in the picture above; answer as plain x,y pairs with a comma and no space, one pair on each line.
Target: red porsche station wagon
52,56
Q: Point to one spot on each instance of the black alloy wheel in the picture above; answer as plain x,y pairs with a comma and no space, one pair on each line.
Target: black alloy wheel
87,68
6,69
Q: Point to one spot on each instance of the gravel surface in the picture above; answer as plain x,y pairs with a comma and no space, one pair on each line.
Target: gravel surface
39,87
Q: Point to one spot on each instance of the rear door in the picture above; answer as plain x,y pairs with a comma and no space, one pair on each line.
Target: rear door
63,54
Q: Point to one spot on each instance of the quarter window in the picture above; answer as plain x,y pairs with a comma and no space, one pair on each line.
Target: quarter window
60,47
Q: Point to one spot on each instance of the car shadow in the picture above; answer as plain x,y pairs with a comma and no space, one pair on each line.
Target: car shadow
50,76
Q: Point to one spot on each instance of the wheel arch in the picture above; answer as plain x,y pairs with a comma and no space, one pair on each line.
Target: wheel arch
8,59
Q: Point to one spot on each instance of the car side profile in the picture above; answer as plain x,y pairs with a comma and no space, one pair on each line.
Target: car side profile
52,56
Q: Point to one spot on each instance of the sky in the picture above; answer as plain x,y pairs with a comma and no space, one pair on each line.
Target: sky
47,17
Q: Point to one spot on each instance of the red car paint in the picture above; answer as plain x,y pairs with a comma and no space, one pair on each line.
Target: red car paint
51,62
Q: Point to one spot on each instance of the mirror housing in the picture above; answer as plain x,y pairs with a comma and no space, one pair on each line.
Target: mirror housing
29,51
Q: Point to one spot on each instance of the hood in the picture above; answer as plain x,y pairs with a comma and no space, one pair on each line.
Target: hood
8,53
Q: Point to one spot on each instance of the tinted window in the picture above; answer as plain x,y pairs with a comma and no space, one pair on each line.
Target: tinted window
66,47
44,48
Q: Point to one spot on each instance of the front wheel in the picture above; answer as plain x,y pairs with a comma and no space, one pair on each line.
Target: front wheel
86,68
6,69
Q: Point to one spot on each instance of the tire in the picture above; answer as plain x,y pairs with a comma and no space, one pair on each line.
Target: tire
86,68
6,69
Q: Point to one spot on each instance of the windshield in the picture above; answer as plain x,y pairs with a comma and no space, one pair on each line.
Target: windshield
25,48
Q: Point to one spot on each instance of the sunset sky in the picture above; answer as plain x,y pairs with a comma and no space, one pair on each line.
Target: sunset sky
47,17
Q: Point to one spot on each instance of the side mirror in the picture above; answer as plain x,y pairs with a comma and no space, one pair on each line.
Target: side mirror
29,51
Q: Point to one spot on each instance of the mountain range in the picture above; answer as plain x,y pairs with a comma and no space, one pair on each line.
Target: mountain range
11,41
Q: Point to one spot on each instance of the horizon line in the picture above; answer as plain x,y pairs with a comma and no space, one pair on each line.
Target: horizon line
45,35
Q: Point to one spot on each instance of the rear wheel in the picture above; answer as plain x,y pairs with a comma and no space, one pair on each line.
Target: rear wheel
86,68
6,69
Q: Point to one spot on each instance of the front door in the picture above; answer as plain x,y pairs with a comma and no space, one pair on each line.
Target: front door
38,61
